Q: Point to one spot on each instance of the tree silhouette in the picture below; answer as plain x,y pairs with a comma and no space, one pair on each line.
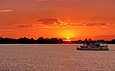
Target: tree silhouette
42,40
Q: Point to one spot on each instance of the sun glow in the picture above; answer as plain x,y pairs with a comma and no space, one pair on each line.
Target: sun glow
68,39
67,33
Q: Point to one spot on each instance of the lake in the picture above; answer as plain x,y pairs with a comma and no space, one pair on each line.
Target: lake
54,57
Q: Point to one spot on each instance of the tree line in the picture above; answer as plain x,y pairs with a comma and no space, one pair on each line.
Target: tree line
42,40
26,40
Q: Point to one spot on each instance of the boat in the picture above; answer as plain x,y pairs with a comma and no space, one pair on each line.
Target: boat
94,46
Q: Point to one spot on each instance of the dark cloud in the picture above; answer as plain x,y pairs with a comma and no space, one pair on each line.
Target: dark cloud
62,23
24,26
98,24
91,24
6,30
49,21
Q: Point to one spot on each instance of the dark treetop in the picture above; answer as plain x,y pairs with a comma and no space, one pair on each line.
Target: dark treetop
42,40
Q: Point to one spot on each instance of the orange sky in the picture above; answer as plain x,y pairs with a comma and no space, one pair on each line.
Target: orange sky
78,19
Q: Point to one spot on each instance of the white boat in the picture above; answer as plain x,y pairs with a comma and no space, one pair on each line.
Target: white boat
94,46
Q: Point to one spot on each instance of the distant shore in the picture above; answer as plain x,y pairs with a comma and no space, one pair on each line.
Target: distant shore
42,40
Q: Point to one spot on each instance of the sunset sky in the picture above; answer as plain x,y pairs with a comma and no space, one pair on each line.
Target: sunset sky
77,19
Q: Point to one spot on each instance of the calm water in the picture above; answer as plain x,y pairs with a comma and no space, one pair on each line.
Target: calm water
58,57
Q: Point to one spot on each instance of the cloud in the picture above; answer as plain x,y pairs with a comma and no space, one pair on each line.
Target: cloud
6,30
6,10
56,0
50,27
24,26
41,0
49,21
91,24
56,23
98,24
